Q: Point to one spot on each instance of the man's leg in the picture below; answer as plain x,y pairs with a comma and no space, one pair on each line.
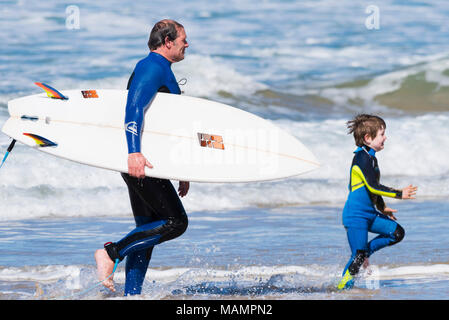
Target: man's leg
136,269
137,262
161,197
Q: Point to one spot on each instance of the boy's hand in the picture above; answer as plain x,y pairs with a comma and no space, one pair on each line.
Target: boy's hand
389,213
409,192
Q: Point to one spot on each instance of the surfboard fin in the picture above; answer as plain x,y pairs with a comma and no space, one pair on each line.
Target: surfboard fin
41,141
51,92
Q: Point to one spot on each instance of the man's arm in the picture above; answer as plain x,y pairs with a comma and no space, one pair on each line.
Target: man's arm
143,88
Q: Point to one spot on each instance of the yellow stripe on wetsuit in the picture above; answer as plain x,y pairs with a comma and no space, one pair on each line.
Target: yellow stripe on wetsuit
358,180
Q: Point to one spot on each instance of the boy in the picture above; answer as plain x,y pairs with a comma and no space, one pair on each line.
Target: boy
365,195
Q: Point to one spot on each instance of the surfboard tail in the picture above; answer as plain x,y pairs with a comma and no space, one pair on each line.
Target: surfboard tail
51,92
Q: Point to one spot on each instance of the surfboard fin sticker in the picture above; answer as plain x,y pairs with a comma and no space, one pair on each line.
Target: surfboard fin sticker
211,141
51,92
41,141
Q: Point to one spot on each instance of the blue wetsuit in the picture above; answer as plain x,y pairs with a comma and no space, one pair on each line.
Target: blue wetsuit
360,214
157,209
151,75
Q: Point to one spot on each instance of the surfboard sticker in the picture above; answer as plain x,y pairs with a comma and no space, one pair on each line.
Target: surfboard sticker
211,141
89,94
40,141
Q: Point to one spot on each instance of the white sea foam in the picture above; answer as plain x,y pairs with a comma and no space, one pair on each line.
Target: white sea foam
286,281
417,271
207,76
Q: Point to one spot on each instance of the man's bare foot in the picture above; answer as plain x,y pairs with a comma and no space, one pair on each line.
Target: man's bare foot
105,266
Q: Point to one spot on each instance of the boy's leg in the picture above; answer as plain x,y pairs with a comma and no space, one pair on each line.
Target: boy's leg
390,233
358,242
357,238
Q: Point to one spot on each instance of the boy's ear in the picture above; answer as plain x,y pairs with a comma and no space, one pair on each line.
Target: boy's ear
367,138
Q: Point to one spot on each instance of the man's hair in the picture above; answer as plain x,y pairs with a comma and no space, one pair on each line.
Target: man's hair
364,124
161,30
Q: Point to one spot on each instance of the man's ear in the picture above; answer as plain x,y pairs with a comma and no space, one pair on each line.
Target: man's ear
168,42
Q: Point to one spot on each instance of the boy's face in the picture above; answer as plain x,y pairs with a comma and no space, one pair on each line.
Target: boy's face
376,143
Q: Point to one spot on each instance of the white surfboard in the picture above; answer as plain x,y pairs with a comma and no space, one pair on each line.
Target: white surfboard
185,138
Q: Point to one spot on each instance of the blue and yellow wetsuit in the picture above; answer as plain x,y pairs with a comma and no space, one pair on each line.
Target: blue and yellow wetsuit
360,214
157,209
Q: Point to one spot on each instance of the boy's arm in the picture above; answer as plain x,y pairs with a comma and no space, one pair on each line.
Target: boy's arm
364,169
380,204
398,192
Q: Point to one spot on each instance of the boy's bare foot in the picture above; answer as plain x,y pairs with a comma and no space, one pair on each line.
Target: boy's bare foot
366,263
105,266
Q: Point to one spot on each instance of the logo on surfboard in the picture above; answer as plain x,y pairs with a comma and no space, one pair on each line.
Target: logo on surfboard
89,94
211,141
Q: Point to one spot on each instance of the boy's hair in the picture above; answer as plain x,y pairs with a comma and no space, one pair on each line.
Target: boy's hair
364,124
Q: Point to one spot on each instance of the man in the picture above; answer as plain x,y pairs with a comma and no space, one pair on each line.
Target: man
157,209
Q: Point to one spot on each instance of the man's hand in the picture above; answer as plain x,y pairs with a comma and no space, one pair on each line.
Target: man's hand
136,165
389,213
183,188
409,192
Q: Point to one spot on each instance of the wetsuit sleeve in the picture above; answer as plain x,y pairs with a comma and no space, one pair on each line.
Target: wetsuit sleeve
363,171
144,85
380,204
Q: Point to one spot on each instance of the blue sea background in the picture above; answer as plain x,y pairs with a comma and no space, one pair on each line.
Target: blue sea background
306,66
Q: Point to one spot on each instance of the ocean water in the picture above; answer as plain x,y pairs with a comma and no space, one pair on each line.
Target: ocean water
307,66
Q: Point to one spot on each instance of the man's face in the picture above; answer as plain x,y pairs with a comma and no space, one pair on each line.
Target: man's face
179,46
